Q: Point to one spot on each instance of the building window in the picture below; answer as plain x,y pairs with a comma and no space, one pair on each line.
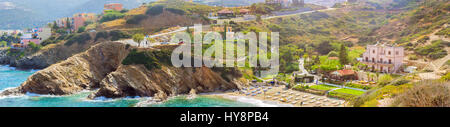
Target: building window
396,52
390,61
373,51
389,53
373,59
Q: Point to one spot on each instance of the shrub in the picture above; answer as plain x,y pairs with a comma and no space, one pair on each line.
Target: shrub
423,39
34,47
80,38
426,94
81,29
113,15
150,59
155,10
117,35
101,34
446,77
359,86
434,51
176,11
136,19
384,80
413,57
400,82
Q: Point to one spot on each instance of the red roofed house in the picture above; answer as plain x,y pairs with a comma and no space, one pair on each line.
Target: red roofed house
345,74
113,6
225,13
244,11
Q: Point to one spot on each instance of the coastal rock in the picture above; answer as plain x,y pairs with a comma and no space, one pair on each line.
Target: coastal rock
79,72
136,80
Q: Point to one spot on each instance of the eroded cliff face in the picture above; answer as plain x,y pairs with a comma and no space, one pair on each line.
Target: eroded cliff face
100,67
79,72
136,80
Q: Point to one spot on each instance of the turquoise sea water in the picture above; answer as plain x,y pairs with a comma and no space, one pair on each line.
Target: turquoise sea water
11,77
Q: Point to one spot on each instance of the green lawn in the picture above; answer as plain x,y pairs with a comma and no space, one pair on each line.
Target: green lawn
322,87
349,91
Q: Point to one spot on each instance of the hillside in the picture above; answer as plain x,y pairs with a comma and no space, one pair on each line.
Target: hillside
159,15
34,13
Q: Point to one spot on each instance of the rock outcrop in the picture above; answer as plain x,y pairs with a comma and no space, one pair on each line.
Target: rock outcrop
100,67
136,80
79,72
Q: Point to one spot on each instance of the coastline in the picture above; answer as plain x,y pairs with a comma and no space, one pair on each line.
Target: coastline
281,97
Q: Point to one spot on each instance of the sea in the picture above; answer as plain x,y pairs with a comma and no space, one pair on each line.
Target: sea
11,77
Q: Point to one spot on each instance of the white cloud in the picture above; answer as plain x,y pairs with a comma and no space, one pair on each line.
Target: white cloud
7,5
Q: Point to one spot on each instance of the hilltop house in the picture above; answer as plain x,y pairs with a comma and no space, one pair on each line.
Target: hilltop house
79,20
345,74
113,6
225,13
383,58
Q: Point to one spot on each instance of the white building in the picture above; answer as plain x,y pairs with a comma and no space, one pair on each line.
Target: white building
383,58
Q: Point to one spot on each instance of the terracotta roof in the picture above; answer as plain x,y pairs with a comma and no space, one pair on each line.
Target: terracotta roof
225,11
244,11
346,72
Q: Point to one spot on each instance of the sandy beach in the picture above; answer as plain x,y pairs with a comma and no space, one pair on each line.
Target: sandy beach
279,96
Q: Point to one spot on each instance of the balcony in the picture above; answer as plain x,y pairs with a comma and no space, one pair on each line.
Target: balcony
376,62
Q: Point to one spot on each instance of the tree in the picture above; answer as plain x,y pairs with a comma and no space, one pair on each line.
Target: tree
68,23
55,26
4,44
343,55
258,18
81,29
138,38
324,47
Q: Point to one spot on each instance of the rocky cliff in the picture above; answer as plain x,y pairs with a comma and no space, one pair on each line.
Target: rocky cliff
136,80
79,72
100,67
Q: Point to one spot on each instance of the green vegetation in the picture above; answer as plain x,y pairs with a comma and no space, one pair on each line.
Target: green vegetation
101,34
118,34
136,19
34,47
423,20
423,39
81,29
434,51
425,94
346,94
446,77
322,87
138,38
155,10
349,91
444,32
289,54
180,7
150,59
78,38
343,55
111,15
359,86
